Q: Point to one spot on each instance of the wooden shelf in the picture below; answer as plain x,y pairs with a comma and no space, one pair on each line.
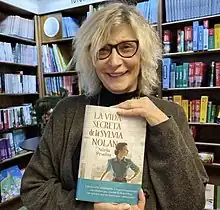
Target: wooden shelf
213,165
191,20
208,144
60,73
16,128
4,203
17,38
18,64
23,154
18,94
208,124
58,40
191,88
189,53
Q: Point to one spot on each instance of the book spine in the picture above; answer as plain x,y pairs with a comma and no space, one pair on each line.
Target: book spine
177,99
185,105
203,109
209,113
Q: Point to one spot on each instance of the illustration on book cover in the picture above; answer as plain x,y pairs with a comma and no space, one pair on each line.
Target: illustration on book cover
112,155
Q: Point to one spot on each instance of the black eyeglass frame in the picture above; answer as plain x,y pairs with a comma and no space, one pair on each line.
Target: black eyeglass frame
115,46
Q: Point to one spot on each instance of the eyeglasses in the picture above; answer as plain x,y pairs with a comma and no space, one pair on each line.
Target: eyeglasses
125,49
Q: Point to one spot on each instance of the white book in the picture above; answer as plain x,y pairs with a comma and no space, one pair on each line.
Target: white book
112,156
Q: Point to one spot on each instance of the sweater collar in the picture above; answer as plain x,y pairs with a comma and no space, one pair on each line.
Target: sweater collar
107,98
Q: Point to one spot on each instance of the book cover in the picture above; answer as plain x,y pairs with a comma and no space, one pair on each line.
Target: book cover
112,156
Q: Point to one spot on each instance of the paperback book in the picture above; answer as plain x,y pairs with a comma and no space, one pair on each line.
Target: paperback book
112,156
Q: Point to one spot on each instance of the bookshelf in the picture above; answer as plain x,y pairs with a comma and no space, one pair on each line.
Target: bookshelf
18,95
182,46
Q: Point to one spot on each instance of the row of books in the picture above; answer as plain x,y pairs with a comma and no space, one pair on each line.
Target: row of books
195,74
187,9
201,110
193,38
53,85
18,83
17,26
10,180
53,60
18,53
17,116
70,26
149,9
10,144
212,195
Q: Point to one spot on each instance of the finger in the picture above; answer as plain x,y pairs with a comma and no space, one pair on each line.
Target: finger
105,206
123,206
129,104
141,202
131,112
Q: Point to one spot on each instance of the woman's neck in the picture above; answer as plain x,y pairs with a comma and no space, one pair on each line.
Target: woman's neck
107,98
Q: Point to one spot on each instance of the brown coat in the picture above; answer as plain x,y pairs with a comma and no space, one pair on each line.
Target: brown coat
174,176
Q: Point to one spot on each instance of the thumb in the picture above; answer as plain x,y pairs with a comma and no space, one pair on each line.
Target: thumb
141,201
123,206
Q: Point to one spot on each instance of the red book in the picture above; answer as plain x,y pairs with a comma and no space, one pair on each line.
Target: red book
197,110
217,73
191,74
167,38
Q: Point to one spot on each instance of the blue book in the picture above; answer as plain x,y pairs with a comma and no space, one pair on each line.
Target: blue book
112,157
200,38
195,35
166,72
173,75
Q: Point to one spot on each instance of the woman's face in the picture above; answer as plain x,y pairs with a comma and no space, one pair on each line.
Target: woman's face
119,74
124,151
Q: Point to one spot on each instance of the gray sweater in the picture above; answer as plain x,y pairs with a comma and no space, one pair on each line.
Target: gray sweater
173,175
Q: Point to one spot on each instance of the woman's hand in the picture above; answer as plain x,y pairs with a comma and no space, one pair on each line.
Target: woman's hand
143,107
122,206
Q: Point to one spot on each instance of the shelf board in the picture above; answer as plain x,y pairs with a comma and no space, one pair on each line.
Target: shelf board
9,201
23,154
60,73
191,20
18,94
214,165
209,124
17,64
17,38
58,40
188,53
16,128
207,144
191,88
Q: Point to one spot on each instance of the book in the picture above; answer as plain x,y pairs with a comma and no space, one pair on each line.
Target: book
112,156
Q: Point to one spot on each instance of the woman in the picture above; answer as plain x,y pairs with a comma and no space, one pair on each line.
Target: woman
120,165
116,52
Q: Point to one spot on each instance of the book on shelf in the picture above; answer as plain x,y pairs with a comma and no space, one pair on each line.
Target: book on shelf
17,26
112,155
18,53
149,10
10,180
193,74
17,116
53,85
54,58
182,10
9,144
17,83
200,110
197,37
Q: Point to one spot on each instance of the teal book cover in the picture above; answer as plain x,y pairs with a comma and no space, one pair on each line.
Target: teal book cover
112,156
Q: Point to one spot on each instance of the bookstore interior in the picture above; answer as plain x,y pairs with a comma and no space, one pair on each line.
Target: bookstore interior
36,72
